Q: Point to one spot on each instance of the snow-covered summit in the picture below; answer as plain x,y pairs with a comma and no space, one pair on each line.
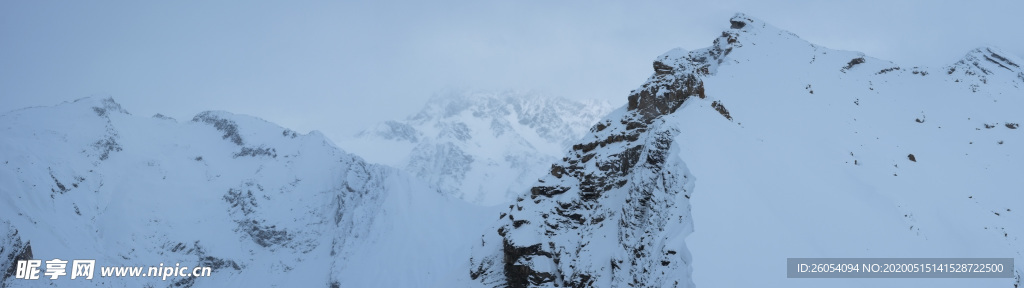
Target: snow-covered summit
483,147
815,131
985,64
820,153
260,204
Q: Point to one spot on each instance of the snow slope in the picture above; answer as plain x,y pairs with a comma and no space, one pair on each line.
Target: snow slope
781,147
796,150
832,153
263,205
483,147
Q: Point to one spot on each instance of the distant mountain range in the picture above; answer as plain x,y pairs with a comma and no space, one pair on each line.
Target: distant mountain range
725,162
483,147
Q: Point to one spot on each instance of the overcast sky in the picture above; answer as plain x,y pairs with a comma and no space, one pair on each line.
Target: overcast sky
339,66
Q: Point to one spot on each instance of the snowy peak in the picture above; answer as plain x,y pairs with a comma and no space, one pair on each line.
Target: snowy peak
616,209
551,117
259,204
819,131
256,137
677,73
985,64
482,147
392,130
555,120
107,105
94,131
745,29
976,69
743,23
987,59
120,189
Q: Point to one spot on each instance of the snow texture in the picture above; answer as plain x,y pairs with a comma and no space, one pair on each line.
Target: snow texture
725,162
800,151
483,147
261,204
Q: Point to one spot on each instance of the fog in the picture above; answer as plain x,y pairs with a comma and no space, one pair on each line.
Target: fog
340,66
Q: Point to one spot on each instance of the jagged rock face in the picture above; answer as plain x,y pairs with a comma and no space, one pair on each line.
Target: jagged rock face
610,215
615,210
12,249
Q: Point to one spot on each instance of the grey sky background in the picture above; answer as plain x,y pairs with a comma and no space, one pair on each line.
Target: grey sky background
339,66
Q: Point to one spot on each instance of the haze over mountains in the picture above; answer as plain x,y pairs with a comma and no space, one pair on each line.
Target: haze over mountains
482,147
727,161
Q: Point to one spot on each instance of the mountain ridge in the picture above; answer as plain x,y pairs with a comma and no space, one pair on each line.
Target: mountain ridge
679,115
256,202
821,153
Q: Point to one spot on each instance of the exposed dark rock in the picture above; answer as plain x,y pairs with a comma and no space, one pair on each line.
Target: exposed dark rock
855,61
623,174
737,24
1003,59
108,105
721,109
548,190
19,252
164,117
60,186
665,97
518,223
887,70
558,171
230,128
264,235
107,145
244,201
661,68
204,260
519,275
258,151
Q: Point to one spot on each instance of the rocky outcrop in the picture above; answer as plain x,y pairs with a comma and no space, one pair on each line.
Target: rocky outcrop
12,249
229,127
986,64
615,210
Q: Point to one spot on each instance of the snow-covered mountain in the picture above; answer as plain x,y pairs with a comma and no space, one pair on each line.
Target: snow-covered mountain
483,147
260,204
727,161
796,150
